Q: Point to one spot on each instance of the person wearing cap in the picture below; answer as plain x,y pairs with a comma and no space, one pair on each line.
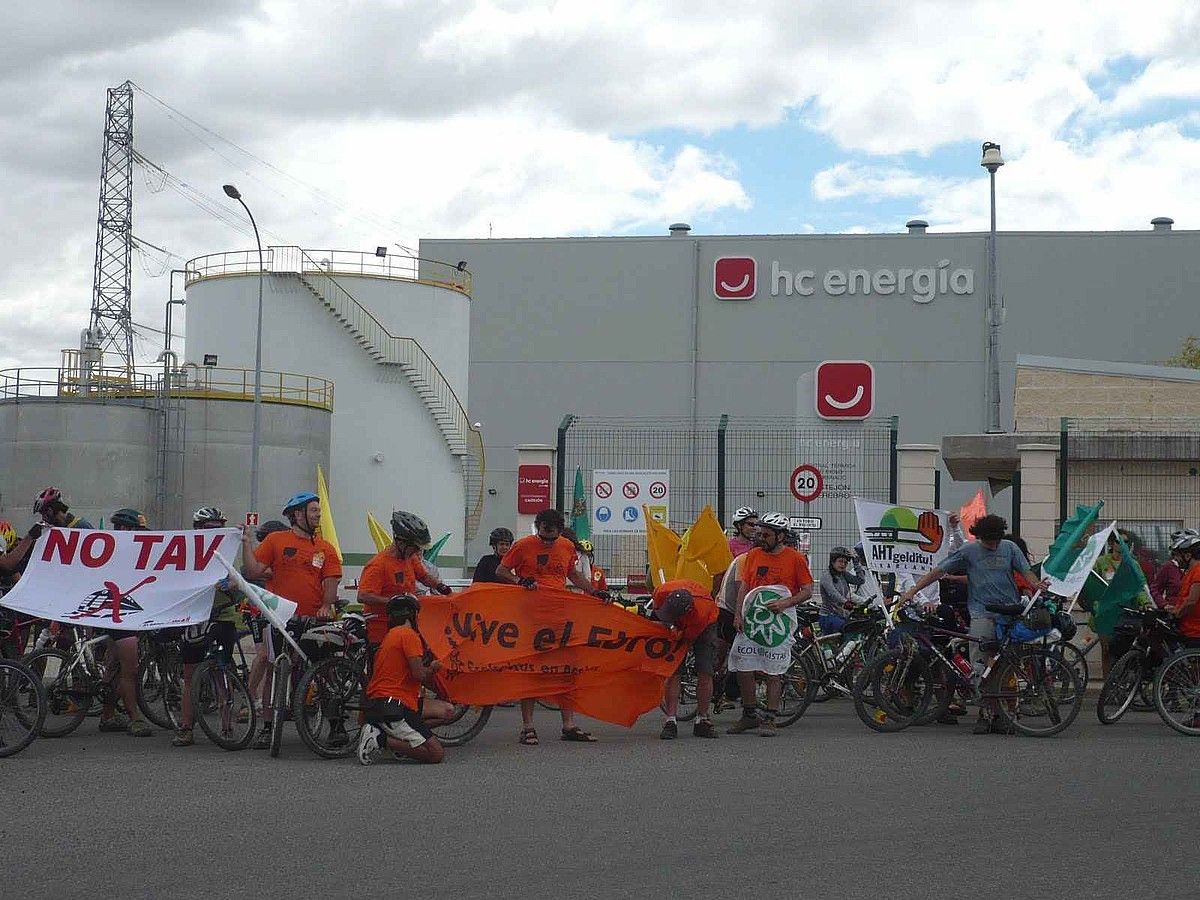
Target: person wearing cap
836,582
685,607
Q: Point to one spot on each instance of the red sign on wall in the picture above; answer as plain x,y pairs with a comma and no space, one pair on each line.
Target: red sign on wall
533,489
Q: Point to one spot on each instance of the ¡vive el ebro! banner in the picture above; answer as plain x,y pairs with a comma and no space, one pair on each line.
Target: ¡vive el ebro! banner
123,580
500,642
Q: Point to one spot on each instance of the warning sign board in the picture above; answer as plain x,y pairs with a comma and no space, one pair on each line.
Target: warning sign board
618,495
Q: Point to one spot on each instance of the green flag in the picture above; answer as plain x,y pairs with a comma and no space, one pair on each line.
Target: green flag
431,554
1070,541
581,524
1125,589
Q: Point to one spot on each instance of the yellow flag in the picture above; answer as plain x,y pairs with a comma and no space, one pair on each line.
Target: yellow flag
706,544
325,529
378,533
662,548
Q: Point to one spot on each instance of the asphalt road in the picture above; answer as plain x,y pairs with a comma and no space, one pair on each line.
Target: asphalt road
826,809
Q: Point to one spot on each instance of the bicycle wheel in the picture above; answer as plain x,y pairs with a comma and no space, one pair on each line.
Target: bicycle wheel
1038,695
799,688
1177,692
942,695
67,695
22,707
328,700
688,703
892,690
1120,687
222,707
280,686
466,723
1073,658
160,687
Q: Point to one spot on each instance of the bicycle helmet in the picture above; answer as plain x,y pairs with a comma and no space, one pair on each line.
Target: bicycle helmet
208,514
9,535
299,500
128,518
840,553
775,521
1180,539
404,605
1186,544
675,606
46,499
743,513
268,527
410,528
500,536
586,546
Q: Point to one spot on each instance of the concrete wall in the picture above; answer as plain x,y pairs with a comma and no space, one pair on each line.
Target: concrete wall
376,411
1043,396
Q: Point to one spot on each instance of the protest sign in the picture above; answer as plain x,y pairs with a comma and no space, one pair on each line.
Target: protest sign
122,580
900,539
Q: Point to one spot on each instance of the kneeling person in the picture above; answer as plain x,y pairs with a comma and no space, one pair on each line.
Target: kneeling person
395,712
685,607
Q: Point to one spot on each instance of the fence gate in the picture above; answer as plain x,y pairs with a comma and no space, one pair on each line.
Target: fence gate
727,462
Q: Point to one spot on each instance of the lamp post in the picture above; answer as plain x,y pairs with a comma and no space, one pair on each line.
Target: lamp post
992,160
232,192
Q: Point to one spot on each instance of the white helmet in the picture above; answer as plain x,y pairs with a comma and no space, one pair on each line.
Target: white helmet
775,521
1186,540
744,513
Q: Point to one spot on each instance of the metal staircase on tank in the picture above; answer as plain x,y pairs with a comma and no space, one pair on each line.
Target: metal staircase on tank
407,356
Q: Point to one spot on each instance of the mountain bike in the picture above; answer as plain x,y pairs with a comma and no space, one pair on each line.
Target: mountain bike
22,707
221,702
1177,692
1154,640
74,681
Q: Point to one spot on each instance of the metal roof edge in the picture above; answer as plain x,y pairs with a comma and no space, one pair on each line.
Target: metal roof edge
1103,367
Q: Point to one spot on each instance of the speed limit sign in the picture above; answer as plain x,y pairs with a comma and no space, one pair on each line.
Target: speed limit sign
807,483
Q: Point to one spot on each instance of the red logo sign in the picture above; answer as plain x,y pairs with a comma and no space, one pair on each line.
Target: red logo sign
603,490
845,389
252,519
735,278
807,483
630,489
533,489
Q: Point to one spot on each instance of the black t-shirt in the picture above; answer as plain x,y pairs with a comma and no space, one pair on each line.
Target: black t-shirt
485,569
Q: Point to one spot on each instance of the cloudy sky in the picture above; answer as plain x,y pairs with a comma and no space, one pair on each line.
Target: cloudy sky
350,124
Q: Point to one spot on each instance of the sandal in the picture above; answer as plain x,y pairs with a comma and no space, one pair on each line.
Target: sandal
528,737
578,735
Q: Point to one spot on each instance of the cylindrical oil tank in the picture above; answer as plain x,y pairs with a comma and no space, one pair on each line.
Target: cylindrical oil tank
332,315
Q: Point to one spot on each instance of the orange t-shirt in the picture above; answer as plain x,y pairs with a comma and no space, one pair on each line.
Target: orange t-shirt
599,580
392,675
786,566
385,576
298,568
548,565
1189,625
702,614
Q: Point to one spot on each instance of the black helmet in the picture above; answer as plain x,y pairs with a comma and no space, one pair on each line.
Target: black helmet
405,605
500,536
128,518
271,526
410,528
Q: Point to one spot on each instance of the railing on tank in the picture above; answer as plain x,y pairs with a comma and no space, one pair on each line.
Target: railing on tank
295,260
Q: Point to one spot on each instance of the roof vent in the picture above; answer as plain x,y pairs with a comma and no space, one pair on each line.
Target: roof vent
916,226
1162,223
679,229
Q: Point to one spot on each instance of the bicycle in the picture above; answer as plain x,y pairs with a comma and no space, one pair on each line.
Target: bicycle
1177,691
73,682
221,702
22,707
1154,640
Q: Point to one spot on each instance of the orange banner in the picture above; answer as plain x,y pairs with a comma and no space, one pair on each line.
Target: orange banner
499,643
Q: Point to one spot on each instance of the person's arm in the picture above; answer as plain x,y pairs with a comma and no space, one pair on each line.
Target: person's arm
329,588
1186,604
739,619
1158,586
795,600
578,579
923,582
252,567
423,673
433,583
508,576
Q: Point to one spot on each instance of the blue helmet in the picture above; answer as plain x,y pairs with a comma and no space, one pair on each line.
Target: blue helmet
298,500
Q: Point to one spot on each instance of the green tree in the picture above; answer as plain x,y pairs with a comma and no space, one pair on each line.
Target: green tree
1188,355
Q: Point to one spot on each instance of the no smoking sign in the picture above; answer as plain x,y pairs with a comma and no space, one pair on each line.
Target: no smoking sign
630,489
807,483
603,490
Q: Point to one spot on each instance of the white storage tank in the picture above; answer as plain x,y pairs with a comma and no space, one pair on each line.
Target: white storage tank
393,334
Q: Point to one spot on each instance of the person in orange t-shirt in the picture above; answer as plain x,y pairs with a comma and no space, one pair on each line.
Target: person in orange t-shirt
685,606
395,570
396,713
771,562
547,560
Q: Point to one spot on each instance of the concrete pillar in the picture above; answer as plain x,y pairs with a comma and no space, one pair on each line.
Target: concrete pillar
916,465
533,455
1039,496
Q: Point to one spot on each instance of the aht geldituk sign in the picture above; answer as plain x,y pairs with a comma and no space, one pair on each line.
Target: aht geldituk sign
123,580
737,278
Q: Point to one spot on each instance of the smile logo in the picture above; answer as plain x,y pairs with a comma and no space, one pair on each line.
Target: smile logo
845,389
735,278
763,627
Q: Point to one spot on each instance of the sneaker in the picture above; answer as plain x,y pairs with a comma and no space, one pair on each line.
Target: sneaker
704,729
183,738
368,744
118,722
983,725
669,732
140,728
263,741
742,725
767,728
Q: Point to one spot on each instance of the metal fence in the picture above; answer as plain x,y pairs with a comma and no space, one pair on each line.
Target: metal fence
727,462
1147,472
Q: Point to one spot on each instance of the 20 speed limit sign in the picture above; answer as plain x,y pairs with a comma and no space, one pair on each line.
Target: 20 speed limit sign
807,483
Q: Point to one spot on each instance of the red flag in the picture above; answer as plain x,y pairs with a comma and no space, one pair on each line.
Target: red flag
971,512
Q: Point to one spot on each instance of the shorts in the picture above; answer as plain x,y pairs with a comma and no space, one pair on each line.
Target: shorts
725,630
224,634
397,721
704,649
116,634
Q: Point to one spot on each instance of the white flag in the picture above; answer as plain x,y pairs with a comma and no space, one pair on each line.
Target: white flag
1073,583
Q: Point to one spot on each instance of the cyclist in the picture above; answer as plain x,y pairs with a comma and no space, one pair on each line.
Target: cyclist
396,710
50,505
685,607
836,584
598,577
769,563
546,559
745,520
254,621
1165,586
10,559
298,566
123,650
221,629
500,540
395,570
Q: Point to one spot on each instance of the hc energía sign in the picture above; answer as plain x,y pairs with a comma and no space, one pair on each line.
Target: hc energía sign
736,278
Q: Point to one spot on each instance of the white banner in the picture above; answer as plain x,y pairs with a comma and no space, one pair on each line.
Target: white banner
765,642
900,539
1082,567
123,580
618,495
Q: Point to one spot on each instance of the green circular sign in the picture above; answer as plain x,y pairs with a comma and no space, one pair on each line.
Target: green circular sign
762,626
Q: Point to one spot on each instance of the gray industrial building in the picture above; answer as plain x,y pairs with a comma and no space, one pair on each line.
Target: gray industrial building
636,326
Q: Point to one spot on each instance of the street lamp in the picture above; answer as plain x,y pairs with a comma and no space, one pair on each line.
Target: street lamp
992,160
233,193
